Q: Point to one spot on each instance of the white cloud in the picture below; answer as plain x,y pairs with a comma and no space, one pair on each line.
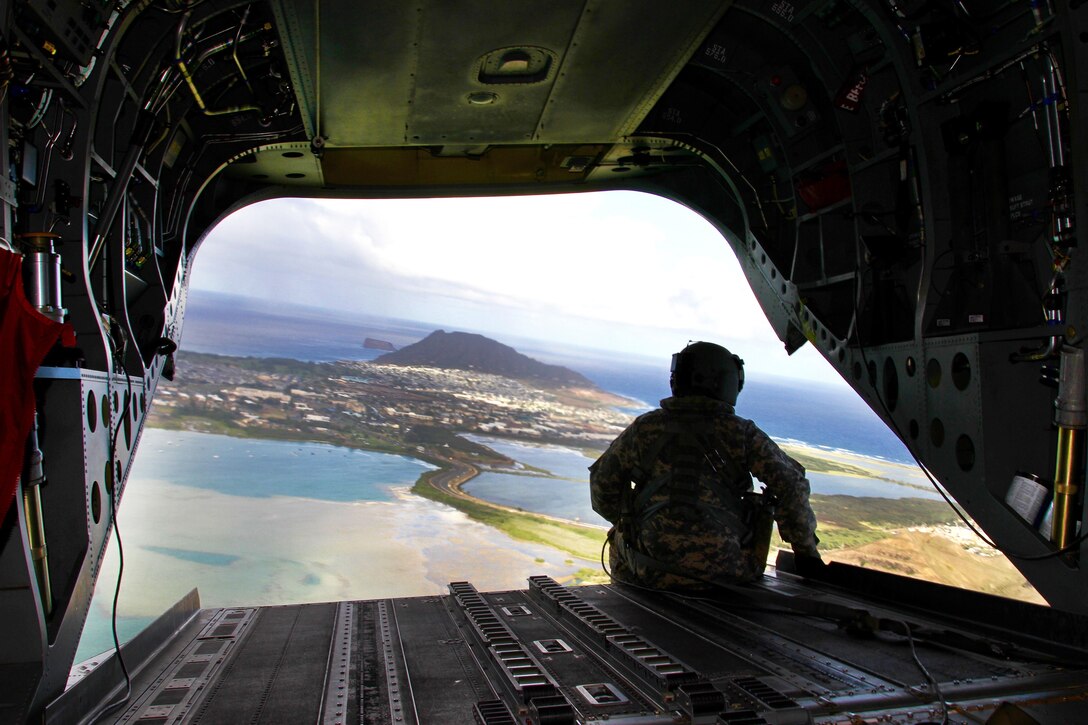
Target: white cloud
619,270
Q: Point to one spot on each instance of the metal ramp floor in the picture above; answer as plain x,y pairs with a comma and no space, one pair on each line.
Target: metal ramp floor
789,650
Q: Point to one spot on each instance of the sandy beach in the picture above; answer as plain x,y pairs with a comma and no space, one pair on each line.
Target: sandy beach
850,464
243,551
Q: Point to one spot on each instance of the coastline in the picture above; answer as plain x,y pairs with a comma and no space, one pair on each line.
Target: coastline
880,533
854,465
444,484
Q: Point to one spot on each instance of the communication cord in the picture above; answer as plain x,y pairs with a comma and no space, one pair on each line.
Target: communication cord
925,673
115,497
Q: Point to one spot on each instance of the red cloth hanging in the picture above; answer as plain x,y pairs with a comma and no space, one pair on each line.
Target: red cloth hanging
26,336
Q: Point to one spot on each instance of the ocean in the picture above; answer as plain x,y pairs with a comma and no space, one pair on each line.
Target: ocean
819,415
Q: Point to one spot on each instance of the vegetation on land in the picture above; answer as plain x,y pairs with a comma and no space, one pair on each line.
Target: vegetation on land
817,464
849,521
588,576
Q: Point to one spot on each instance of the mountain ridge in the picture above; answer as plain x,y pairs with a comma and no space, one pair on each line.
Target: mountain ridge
470,351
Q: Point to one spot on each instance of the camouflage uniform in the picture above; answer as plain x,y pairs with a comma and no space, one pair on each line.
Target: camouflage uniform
710,540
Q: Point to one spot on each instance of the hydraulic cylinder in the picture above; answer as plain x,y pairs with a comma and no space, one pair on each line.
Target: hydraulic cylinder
1071,417
1067,468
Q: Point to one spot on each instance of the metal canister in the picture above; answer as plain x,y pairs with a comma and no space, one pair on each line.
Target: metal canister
41,273
1027,496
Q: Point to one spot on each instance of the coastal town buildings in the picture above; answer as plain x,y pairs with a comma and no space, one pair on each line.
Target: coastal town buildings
388,400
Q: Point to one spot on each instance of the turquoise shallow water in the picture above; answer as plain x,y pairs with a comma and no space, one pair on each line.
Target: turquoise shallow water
259,468
238,467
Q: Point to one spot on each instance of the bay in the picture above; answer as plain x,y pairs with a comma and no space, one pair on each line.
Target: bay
258,467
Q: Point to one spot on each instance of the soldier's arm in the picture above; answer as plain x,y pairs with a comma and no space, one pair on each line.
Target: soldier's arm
785,480
609,474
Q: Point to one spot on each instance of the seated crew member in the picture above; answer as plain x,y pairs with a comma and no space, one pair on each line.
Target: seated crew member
677,485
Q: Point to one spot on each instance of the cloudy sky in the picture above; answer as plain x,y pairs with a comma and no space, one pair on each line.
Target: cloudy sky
619,271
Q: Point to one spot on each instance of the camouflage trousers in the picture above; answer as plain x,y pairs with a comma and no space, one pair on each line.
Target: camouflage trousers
697,563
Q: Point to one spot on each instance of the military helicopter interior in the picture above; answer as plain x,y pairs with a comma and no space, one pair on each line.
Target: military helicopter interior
901,180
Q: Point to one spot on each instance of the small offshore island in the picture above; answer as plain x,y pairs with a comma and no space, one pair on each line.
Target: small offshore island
430,399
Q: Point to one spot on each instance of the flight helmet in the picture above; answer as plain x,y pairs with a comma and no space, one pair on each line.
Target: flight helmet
703,368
